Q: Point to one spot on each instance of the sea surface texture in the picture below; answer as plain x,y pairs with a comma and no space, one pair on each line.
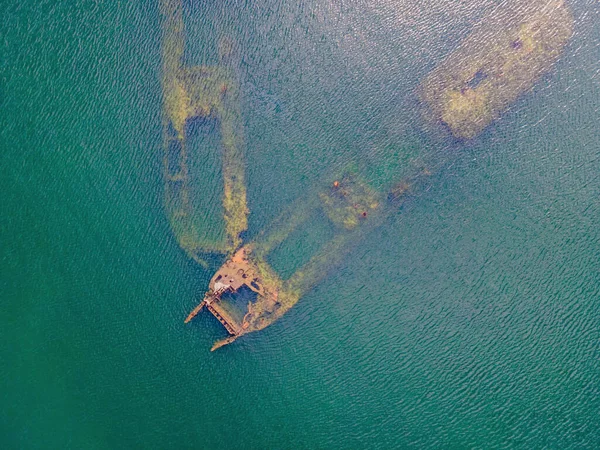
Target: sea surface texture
469,319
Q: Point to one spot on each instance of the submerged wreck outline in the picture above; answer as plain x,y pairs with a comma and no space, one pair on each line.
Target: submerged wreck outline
466,92
353,208
199,91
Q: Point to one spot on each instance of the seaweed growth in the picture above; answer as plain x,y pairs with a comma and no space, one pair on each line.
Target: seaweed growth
188,93
494,65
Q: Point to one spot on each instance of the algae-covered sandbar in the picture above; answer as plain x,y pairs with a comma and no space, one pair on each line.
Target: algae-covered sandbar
495,64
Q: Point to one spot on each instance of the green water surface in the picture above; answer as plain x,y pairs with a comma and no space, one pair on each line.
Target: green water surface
471,319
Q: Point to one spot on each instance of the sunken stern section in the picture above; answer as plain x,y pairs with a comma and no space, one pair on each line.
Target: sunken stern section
495,64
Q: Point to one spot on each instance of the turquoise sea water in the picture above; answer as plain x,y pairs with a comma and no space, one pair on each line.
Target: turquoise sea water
470,319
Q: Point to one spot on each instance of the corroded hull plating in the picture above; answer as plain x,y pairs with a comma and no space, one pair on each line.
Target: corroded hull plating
495,64
200,91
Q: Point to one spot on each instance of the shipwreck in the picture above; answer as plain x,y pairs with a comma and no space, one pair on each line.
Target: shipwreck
349,204
209,92
499,61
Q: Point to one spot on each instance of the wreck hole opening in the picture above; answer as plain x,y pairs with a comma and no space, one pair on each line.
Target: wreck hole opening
479,76
171,132
175,189
302,244
199,125
205,179
236,303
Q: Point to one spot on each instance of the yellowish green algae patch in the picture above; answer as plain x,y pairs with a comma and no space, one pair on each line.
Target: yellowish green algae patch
495,64
348,202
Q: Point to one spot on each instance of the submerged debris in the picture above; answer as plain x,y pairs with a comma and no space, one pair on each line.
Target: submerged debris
208,92
496,64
